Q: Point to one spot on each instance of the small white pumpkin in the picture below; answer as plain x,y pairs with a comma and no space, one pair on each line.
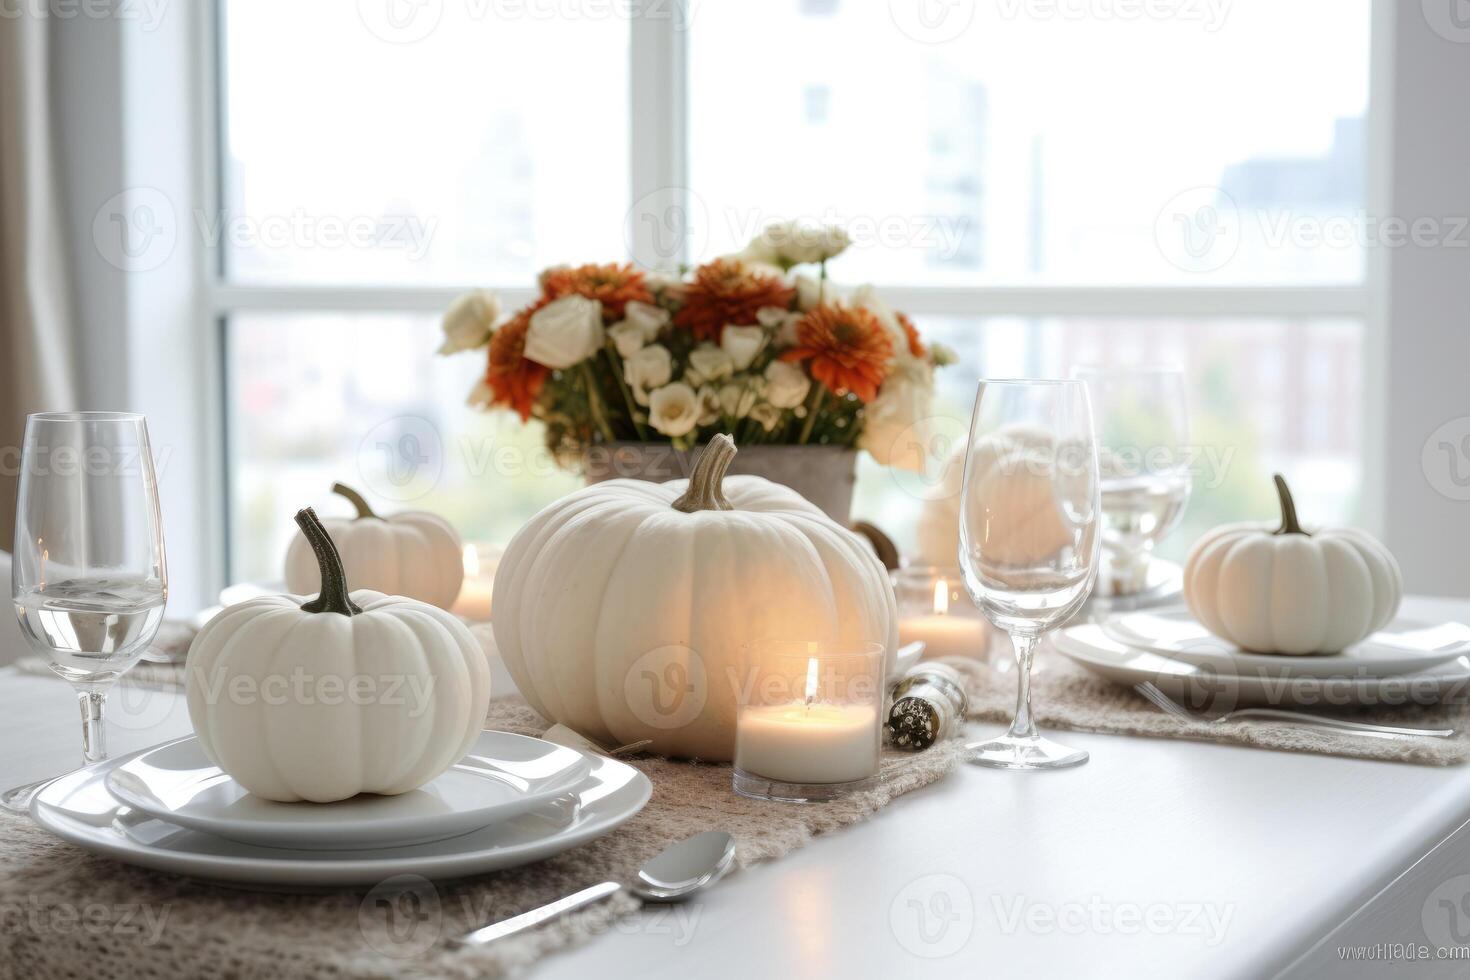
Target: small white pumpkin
321,700
622,609
1290,590
414,554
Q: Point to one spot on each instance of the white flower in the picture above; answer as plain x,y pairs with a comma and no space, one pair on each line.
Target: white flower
867,298
565,332
791,243
709,405
469,321
674,409
742,344
895,424
647,369
768,415
786,384
737,399
646,317
627,337
812,292
708,363
480,395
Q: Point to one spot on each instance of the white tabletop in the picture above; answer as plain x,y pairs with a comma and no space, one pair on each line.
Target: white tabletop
1159,858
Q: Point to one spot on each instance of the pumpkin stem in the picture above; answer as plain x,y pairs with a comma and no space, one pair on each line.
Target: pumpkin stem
705,491
364,509
1289,523
334,597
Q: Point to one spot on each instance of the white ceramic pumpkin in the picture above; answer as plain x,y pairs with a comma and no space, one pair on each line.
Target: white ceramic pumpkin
622,609
414,554
321,700
1291,590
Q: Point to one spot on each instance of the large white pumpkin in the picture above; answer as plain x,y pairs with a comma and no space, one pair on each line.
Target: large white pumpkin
622,609
414,554
321,700
1288,589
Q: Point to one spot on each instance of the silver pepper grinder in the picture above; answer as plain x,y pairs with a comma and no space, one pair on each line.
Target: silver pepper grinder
929,705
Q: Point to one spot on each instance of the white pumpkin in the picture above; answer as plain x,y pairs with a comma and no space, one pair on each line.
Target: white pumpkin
622,609
1290,590
321,700
413,554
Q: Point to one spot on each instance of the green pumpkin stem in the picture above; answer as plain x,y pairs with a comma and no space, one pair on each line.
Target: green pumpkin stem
705,483
364,509
1289,523
334,597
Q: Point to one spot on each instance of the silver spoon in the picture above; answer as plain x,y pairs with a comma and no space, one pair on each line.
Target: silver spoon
676,873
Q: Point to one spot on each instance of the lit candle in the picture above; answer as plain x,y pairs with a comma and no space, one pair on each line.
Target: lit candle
943,633
811,741
474,595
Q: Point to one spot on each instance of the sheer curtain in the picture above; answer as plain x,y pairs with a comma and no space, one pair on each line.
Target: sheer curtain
37,367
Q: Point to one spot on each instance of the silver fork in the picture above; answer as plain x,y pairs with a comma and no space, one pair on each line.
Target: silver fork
1171,707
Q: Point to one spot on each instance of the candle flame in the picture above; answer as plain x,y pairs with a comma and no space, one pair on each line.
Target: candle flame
941,597
811,680
471,561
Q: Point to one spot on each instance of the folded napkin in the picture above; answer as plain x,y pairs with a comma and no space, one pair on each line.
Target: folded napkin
1065,695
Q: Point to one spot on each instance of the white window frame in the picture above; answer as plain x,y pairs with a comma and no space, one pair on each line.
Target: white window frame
658,97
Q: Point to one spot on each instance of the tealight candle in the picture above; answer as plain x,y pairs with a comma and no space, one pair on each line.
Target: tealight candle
479,583
808,725
933,609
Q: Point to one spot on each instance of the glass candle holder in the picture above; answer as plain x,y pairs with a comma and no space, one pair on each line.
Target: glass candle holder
934,607
808,724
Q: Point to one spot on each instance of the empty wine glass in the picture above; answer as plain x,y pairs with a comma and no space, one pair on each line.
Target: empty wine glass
88,575
1028,535
1142,421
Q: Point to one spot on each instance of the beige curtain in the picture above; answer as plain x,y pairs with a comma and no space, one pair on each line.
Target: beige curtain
37,365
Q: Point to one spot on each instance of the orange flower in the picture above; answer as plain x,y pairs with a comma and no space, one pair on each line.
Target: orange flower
615,286
916,346
848,348
724,292
515,379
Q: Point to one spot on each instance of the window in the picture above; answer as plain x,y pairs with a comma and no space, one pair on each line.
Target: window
1042,186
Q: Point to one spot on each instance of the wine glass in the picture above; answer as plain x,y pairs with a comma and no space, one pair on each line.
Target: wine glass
1143,438
1029,535
88,575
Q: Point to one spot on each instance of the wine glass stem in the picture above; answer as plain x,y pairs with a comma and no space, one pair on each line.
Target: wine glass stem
94,732
1022,725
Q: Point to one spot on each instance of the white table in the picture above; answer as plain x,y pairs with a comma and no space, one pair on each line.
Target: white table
1234,862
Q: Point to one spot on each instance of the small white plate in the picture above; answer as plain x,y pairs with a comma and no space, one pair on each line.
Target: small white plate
78,808
503,776
1202,686
1405,646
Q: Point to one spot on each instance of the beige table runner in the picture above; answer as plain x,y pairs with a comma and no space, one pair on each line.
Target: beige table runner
68,913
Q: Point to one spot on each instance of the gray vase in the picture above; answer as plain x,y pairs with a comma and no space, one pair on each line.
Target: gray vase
822,474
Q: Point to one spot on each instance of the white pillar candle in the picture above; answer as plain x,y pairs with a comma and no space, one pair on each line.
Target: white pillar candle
808,743
479,583
943,633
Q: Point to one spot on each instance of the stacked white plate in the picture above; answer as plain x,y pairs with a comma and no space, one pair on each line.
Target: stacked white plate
512,800
1408,662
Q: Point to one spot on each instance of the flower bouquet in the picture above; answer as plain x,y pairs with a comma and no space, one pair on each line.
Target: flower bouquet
760,344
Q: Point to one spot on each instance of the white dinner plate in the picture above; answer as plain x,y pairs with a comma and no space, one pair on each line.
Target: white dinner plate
78,808
1405,646
502,776
1203,686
